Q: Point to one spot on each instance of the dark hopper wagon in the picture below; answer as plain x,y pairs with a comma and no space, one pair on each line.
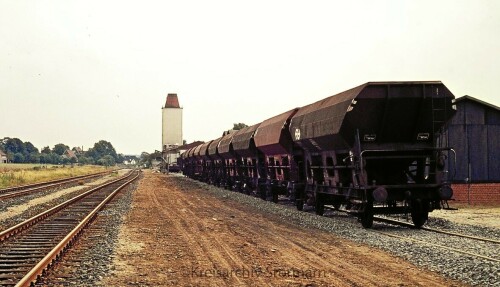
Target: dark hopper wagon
372,149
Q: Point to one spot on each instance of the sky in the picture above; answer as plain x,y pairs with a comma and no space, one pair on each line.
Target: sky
76,72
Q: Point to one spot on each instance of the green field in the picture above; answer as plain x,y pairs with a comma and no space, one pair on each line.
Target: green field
12,174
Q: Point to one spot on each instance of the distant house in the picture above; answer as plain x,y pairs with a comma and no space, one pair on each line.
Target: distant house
69,154
3,157
130,160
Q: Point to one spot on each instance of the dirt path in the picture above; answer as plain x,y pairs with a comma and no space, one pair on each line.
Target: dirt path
179,236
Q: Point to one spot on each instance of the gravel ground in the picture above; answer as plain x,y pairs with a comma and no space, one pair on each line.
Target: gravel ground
468,229
175,229
462,228
471,270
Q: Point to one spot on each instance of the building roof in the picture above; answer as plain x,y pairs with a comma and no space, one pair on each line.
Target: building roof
172,101
466,97
2,153
69,153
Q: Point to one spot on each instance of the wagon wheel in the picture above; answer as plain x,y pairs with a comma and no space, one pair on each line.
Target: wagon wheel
246,189
299,203
275,196
336,205
419,213
367,215
320,206
262,192
299,199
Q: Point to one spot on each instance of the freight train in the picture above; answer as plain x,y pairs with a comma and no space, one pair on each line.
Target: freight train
373,149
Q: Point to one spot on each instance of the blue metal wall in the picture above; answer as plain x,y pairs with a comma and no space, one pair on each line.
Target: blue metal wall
474,133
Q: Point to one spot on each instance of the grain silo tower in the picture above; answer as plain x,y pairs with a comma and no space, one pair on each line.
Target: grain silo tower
171,128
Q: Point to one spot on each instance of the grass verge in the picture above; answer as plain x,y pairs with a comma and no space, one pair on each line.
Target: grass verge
21,174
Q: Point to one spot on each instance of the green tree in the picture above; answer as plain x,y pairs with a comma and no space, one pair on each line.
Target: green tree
19,151
147,158
14,145
60,148
46,150
101,149
30,148
73,160
18,157
33,157
106,160
120,158
65,160
85,160
239,126
45,158
55,158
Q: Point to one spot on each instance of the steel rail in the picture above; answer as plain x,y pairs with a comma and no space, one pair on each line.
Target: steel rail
437,245
37,218
406,224
387,220
431,230
57,251
33,185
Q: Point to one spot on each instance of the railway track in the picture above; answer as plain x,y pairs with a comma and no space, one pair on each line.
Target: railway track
490,257
29,248
410,225
406,224
479,247
494,242
40,186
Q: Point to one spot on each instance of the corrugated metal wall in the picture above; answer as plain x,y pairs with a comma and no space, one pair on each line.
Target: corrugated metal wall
474,133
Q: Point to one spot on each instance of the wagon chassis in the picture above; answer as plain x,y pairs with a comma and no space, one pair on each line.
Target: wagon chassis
360,200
